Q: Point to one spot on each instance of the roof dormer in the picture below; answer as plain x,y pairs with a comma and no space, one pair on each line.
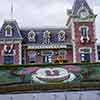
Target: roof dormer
8,31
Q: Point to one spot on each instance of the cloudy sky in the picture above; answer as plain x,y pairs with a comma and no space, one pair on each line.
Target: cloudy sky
41,13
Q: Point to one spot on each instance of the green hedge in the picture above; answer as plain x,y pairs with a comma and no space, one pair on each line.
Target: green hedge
50,65
50,87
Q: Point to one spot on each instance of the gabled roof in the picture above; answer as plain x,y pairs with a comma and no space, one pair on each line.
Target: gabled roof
78,4
16,31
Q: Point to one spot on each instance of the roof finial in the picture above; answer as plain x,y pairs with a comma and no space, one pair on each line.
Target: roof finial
11,9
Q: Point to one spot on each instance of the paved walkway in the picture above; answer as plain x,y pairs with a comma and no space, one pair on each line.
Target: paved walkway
87,95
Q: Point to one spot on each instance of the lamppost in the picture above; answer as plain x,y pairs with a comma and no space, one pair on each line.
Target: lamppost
80,96
11,98
98,96
65,96
33,98
55,96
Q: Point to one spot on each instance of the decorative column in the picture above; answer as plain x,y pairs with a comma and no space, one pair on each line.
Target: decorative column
20,53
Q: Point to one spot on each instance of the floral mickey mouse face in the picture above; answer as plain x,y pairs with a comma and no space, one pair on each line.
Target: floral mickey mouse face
46,75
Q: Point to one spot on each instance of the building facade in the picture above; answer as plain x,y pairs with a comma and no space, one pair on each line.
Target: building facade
74,43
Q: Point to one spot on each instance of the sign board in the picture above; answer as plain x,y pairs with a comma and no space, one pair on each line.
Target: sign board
47,46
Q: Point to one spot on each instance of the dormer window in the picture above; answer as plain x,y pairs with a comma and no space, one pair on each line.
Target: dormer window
47,37
31,36
84,34
8,30
61,36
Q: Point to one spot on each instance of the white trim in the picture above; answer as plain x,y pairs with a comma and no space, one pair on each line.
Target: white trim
83,26
20,53
6,31
86,48
46,46
96,53
85,20
9,42
71,21
60,37
5,50
73,42
87,35
32,39
46,37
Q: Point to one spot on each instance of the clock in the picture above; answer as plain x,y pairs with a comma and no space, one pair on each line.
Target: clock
83,14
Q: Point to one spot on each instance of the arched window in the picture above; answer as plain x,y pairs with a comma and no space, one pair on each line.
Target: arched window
61,36
8,30
31,36
84,33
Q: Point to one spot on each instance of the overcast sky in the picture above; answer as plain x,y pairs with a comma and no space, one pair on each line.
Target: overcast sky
40,13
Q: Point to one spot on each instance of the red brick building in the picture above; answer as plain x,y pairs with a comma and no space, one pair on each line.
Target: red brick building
74,43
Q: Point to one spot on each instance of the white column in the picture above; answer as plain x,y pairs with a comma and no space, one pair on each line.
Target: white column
73,42
74,52
96,53
20,53
95,43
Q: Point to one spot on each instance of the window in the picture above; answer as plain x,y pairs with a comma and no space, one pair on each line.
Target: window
47,37
98,55
98,52
8,54
47,56
84,31
62,53
8,59
85,54
61,36
84,34
85,57
47,52
8,31
31,36
32,56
